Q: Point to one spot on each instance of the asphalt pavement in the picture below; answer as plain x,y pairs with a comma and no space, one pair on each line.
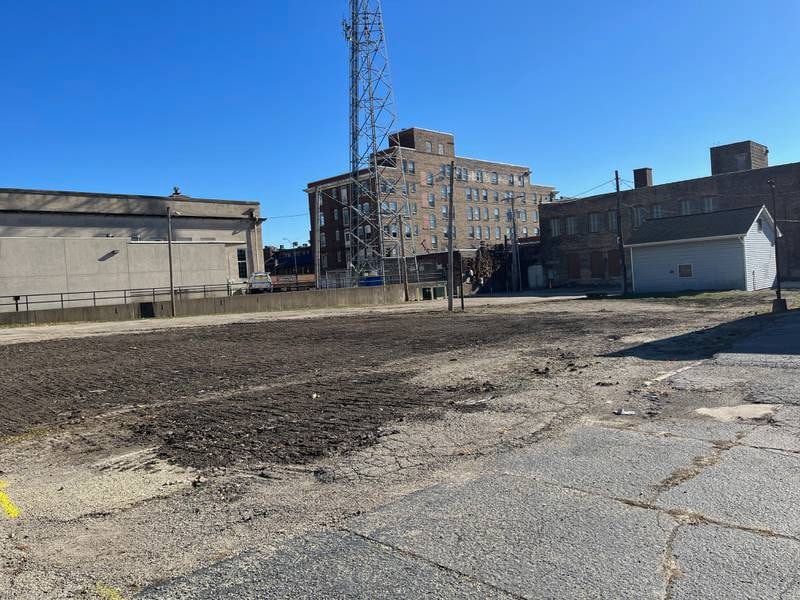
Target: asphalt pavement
701,503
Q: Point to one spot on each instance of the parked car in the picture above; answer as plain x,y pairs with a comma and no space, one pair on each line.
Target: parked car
258,283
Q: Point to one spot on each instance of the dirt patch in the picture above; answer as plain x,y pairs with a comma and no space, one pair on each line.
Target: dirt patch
742,411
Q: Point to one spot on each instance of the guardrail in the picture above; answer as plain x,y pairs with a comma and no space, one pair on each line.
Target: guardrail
125,296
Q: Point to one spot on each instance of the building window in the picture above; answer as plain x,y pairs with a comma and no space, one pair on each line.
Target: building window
685,271
523,215
657,211
469,213
428,147
469,194
444,210
485,213
572,225
521,180
496,214
412,167
508,232
496,196
479,176
478,232
555,227
338,235
510,179
497,234
535,216
434,241
760,225
431,199
612,220
708,205
335,214
323,241
687,207
443,191
441,148
524,232
241,262
471,232
494,177
432,221
522,197
429,178
594,222
638,214
321,219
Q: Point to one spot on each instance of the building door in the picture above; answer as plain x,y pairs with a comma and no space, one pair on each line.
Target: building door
535,277
598,265
573,266
613,263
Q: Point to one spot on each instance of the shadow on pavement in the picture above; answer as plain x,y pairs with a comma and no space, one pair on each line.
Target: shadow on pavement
758,334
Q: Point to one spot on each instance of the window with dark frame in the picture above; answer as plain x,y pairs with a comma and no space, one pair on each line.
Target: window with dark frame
685,271
241,260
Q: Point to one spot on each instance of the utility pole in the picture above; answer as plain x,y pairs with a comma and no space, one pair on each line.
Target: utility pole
450,274
169,254
403,269
620,244
779,304
515,274
317,274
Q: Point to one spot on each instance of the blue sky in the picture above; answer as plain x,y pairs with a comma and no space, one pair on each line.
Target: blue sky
248,99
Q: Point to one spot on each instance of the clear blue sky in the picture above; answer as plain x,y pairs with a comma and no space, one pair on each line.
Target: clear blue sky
248,99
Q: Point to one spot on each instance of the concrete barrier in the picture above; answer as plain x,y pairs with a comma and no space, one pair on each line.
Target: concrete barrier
336,298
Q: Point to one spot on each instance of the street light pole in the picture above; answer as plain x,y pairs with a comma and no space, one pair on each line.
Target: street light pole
169,254
779,304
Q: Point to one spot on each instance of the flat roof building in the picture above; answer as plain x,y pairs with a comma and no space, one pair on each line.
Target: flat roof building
579,236
482,196
54,242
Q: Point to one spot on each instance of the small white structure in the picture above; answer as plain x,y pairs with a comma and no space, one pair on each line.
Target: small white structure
723,250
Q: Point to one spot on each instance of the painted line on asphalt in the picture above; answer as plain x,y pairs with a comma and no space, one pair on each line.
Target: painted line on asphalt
12,512
672,373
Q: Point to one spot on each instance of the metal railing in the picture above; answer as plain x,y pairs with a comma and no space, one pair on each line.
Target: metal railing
26,302
104,297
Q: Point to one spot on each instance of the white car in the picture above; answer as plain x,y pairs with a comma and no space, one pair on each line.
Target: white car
258,283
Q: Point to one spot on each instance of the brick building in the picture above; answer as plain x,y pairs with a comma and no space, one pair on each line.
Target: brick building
579,239
482,199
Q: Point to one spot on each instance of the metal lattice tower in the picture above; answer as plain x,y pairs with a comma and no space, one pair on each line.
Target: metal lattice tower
378,199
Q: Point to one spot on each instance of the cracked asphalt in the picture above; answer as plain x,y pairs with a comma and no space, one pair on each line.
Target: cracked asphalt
682,507
512,479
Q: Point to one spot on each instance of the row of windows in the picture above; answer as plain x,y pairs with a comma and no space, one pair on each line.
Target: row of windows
608,221
474,214
479,175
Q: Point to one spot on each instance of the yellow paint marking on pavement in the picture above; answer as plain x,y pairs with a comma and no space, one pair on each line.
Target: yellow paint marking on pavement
8,506
107,592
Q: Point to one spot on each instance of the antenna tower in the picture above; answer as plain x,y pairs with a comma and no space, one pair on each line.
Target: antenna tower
381,237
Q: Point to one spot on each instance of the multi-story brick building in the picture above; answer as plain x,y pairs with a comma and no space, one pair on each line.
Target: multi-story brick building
482,198
579,237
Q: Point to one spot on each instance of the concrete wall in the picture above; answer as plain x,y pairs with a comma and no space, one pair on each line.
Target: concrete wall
71,265
759,251
716,265
367,296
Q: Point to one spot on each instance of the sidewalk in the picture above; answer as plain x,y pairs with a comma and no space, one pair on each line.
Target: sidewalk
698,505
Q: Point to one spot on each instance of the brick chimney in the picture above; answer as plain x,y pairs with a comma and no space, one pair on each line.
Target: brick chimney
643,177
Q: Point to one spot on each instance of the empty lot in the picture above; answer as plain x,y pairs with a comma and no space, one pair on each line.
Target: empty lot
136,457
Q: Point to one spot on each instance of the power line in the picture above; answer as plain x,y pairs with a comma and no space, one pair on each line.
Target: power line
591,189
287,216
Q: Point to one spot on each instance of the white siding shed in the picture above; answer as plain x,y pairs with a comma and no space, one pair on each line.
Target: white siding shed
725,250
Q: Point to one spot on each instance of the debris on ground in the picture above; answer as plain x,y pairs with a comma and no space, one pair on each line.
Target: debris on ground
624,412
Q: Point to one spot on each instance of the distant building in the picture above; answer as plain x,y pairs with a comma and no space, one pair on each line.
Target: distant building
724,250
579,237
54,242
482,199
284,261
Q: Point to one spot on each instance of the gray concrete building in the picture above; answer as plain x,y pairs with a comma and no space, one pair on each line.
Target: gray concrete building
73,243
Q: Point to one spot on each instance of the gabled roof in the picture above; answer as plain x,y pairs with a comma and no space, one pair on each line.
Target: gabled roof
722,223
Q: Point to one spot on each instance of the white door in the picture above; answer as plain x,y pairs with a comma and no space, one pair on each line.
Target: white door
535,277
